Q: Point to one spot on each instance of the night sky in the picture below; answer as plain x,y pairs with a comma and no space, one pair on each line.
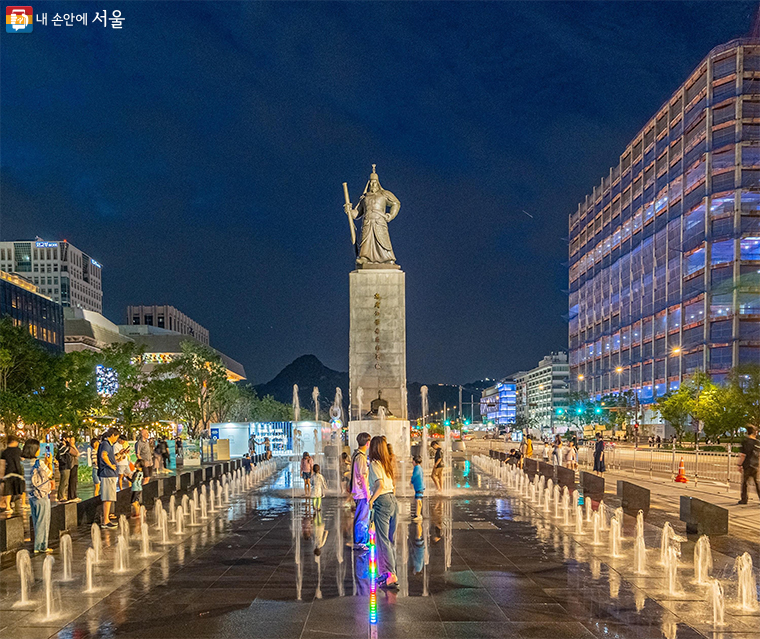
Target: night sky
198,154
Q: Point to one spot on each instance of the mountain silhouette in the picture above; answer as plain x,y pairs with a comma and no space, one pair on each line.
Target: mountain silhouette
308,371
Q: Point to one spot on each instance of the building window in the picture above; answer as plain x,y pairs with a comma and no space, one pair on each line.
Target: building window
149,320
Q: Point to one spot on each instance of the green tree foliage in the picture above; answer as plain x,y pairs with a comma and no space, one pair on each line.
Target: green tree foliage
675,408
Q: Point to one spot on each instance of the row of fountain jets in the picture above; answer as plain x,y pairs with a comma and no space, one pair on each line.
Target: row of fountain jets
191,511
561,504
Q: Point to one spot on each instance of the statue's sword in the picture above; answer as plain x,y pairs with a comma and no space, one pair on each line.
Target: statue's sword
350,220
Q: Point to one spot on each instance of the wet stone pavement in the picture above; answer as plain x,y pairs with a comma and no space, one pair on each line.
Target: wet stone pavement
480,565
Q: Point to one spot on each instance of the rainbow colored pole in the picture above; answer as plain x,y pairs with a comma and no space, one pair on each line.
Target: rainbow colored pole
372,578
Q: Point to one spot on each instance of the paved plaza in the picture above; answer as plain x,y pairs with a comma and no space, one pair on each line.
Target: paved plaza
482,564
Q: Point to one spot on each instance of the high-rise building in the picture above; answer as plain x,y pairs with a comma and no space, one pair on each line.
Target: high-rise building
26,306
498,403
542,390
59,270
166,317
665,251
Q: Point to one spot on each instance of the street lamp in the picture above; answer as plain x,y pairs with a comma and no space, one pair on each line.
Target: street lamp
619,369
581,378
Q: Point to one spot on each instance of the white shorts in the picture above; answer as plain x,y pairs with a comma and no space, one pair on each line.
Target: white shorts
108,488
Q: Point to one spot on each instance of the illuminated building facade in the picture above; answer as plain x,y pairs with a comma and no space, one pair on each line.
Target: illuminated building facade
21,301
169,318
498,403
665,251
542,390
59,270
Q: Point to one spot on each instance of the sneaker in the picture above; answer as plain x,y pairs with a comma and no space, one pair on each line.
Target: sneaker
361,547
110,525
48,551
742,503
9,511
417,518
76,500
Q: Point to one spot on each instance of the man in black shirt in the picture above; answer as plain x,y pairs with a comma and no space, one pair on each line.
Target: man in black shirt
749,461
437,474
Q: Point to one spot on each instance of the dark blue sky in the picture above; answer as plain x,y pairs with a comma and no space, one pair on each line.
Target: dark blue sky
198,154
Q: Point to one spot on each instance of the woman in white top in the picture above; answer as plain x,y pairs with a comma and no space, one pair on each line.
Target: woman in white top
571,456
382,501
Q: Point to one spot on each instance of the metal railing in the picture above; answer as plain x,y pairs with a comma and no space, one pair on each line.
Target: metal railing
698,465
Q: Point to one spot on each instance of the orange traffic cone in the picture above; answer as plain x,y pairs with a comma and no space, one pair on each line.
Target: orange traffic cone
681,476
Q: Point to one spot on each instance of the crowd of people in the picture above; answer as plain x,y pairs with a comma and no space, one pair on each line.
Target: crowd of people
28,471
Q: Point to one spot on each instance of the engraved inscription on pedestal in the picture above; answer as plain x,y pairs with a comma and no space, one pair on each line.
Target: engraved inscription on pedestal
377,343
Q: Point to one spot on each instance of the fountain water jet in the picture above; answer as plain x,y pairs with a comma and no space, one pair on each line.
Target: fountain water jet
703,562
179,521
145,541
164,526
640,546
671,570
596,522
25,575
89,567
121,558
47,582
315,399
124,528
718,601
172,508
296,405
665,537
746,592
66,554
97,543
615,537
579,520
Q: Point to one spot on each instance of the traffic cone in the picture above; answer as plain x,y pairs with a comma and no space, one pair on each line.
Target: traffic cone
681,476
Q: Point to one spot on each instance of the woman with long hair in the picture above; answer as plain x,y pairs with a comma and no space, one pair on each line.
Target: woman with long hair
384,509
39,484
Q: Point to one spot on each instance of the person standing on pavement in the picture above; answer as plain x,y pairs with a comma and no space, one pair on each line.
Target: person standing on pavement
39,484
11,474
144,454
359,487
749,462
121,451
384,509
599,466
108,474
64,468
94,458
557,451
437,473
74,466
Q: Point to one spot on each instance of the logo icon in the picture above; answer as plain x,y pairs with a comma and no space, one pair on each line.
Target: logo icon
19,19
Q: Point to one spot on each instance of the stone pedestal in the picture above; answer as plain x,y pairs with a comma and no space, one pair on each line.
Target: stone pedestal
377,338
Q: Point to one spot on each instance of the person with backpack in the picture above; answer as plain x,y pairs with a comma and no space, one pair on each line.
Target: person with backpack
359,487
749,462
39,484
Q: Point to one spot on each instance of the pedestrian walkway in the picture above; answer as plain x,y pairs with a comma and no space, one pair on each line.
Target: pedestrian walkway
481,564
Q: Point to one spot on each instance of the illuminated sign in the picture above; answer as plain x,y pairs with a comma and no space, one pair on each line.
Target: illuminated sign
94,263
46,244
106,381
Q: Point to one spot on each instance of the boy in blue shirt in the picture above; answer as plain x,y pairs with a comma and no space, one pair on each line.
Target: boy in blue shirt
418,483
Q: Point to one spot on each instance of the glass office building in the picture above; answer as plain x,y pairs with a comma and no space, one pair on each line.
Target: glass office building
665,251
21,301
498,403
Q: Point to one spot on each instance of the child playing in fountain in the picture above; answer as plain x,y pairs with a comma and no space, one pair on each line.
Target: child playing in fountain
418,483
319,486
137,479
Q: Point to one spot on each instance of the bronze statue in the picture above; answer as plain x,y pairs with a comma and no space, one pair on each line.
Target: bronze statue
375,245
376,404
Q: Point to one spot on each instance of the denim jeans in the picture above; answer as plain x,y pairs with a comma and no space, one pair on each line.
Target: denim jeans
361,522
385,513
40,521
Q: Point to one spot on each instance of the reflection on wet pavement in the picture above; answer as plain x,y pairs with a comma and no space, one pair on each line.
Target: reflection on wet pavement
480,564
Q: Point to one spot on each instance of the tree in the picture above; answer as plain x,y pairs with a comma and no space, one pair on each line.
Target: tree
748,378
203,391
675,408
24,367
128,401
